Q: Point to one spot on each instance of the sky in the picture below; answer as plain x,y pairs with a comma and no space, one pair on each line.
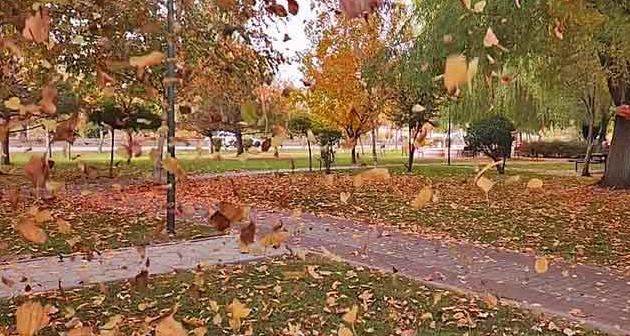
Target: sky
294,26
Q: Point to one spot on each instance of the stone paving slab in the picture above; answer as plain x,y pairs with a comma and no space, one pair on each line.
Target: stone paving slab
50,273
593,295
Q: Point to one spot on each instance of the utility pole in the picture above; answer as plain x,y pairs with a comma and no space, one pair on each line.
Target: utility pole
170,116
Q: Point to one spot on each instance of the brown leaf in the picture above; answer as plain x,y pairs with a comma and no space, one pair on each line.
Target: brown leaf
49,98
145,61
455,73
248,233
233,212
37,26
37,170
31,317
80,331
31,232
278,10
293,7
423,198
170,327
141,280
219,221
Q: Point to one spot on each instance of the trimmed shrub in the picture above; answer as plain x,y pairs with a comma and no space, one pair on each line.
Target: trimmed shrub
553,149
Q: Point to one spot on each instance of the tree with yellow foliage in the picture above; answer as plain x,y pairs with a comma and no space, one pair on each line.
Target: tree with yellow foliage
340,94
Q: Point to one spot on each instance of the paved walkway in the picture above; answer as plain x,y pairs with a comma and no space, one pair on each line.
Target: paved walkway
50,273
590,294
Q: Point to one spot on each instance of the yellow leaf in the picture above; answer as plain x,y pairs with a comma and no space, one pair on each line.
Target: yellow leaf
455,72
172,165
31,317
351,315
344,331
541,265
217,320
485,184
512,180
423,198
479,6
169,327
142,62
80,331
274,239
13,104
372,175
490,300
535,184
237,311
53,187
200,331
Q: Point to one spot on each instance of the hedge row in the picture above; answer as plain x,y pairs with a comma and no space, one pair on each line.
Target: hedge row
553,149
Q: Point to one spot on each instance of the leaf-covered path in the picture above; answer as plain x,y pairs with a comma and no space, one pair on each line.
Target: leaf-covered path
593,295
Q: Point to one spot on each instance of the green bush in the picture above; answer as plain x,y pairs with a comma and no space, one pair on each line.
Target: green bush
216,144
553,149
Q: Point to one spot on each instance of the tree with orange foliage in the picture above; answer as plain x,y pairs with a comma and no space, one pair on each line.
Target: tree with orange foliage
341,95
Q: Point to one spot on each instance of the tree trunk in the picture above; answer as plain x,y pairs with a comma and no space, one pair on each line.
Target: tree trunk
590,141
130,149
412,150
353,154
101,140
239,142
5,150
501,167
617,173
310,155
157,165
374,156
111,156
211,144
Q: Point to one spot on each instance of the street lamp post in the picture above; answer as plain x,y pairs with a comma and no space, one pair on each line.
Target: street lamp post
170,116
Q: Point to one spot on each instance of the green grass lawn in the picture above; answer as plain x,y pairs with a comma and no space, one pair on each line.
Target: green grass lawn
287,297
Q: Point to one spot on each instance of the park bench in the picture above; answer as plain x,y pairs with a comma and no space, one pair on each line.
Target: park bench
596,158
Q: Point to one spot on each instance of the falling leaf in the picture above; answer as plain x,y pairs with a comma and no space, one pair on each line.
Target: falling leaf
173,166
473,66
455,72
54,187
168,326
490,300
217,319
466,3
143,62
344,331
63,226
40,216
237,311
274,239
293,7
344,197
234,212
200,331
490,40
248,233
13,104
312,271
512,180
80,331
479,6
541,265
484,184
358,8
370,176
423,198
219,221
517,3
31,317
535,184
351,315
49,97
37,26
277,9
31,232
447,39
